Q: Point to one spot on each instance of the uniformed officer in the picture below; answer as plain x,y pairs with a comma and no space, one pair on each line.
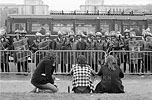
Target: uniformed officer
35,47
4,45
25,62
35,44
90,41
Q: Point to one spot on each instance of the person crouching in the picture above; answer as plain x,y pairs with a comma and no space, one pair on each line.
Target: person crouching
43,78
82,73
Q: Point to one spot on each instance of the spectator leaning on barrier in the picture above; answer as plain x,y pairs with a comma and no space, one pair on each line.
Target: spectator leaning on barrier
43,78
111,75
82,73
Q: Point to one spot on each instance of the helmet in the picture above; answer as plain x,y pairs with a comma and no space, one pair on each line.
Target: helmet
2,32
23,32
118,35
113,33
79,33
118,32
91,34
48,33
106,33
132,34
71,33
98,34
148,29
60,33
38,34
127,31
84,35
17,31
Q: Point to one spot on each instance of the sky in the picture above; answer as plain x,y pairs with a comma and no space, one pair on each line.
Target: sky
75,4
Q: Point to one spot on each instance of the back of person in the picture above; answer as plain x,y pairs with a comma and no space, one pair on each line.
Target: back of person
82,73
110,80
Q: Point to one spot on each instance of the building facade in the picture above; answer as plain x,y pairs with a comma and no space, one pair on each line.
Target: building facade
30,7
98,5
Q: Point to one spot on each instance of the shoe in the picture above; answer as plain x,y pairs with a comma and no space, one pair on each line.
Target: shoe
26,74
18,74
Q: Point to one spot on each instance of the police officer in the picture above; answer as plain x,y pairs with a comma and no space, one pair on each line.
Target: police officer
90,41
126,39
81,44
25,62
148,47
35,46
58,41
4,45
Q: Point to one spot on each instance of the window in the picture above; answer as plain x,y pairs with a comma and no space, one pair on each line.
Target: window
36,27
19,26
104,25
85,26
33,10
63,25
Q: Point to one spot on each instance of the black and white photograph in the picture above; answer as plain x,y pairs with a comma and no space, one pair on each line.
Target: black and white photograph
75,49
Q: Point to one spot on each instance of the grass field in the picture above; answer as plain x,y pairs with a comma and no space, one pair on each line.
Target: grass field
14,87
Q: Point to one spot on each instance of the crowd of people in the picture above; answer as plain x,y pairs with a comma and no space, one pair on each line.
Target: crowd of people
74,41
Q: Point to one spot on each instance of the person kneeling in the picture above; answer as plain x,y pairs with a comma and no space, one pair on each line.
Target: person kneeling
43,78
111,75
82,76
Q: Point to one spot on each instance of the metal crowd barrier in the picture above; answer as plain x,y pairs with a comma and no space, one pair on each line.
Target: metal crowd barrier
134,62
17,62
65,59
24,62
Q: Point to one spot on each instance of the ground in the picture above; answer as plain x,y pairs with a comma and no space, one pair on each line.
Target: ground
18,87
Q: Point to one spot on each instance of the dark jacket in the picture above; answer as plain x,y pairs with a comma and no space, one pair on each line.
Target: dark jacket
81,45
110,81
44,67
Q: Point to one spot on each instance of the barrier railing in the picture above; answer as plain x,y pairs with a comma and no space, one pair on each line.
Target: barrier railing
66,58
23,62
16,62
134,62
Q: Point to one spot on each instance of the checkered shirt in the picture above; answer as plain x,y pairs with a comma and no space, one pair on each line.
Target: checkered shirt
82,76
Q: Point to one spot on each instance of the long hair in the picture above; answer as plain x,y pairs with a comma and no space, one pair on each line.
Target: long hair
111,63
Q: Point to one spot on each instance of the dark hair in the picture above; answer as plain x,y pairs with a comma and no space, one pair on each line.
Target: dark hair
50,55
82,60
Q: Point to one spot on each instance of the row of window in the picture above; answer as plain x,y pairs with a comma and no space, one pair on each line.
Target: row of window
83,26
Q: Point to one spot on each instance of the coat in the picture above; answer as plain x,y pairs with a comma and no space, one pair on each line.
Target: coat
110,81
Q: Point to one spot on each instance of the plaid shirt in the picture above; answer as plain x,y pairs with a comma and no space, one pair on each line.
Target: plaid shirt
82,76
